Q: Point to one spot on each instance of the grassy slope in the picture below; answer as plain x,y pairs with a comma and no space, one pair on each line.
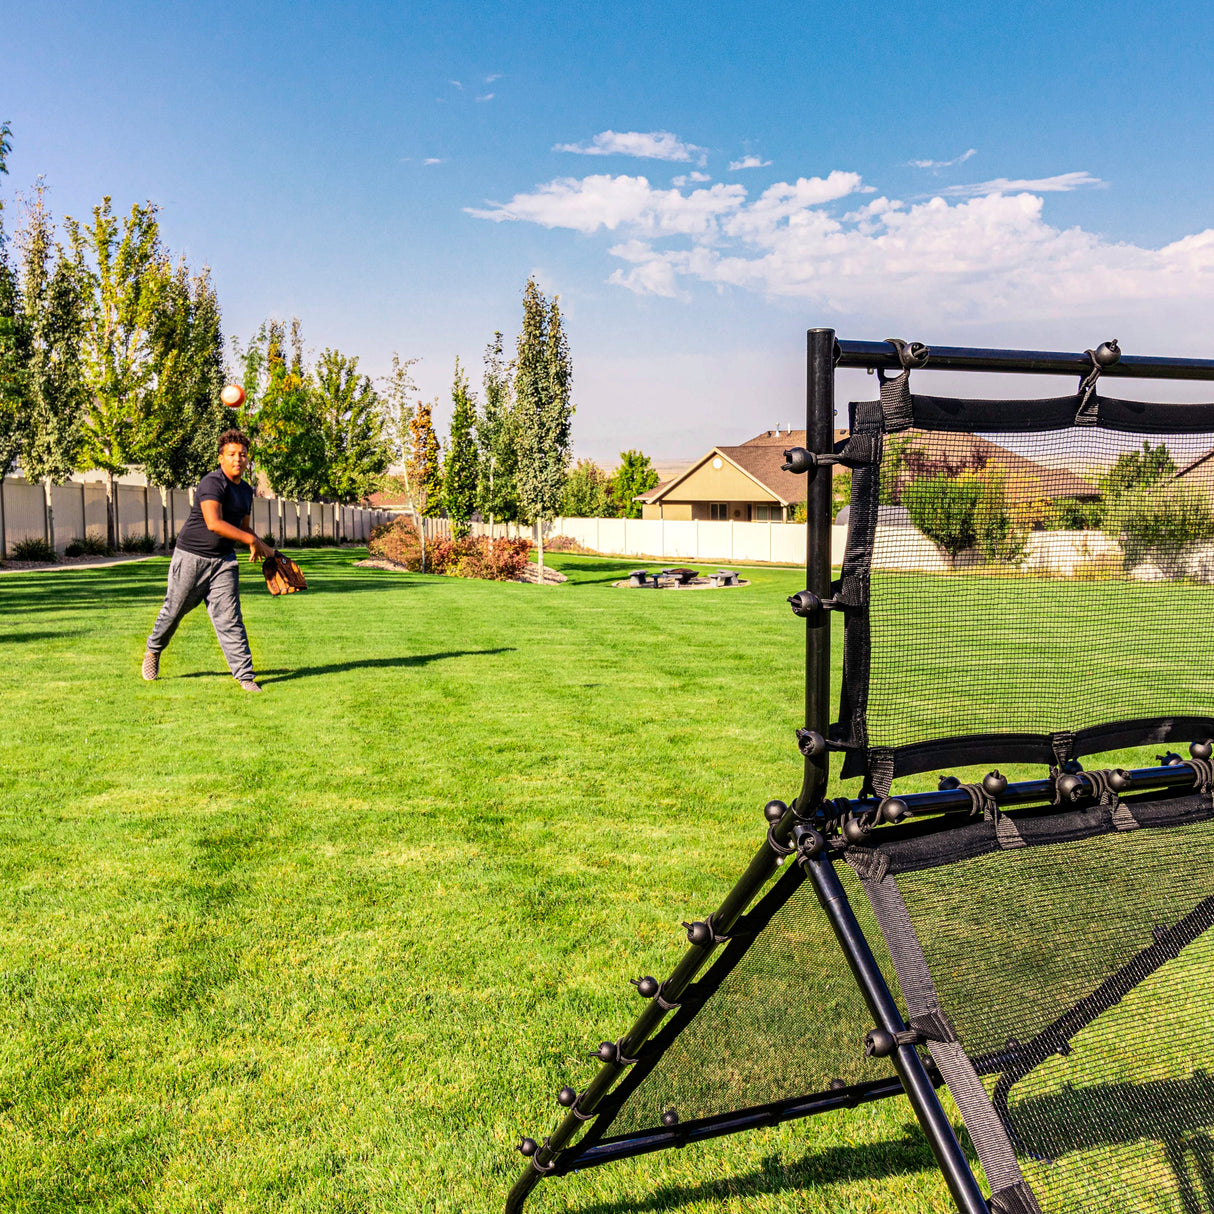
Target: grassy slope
333,947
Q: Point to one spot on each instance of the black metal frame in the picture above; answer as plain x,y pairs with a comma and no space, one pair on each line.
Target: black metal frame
793,830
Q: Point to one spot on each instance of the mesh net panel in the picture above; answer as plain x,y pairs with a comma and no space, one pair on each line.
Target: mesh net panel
1039,582
786,1021
1124,1118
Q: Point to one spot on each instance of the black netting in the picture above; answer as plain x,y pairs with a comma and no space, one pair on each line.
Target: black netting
1078,978
786,1021
1028,582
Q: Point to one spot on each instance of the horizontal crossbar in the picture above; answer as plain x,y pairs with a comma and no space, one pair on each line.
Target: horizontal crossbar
874,355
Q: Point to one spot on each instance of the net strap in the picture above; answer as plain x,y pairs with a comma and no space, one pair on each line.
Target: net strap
985,1127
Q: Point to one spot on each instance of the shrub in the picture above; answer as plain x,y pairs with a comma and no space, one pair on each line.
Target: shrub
1074,514
139,543
88,545
1155,516
270,539
965,510
470,557
34,550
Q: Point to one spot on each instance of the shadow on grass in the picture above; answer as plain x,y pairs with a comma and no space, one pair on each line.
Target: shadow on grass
815,1169
17,638
285,674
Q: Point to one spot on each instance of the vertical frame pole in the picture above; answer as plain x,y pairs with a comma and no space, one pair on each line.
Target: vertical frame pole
819,438
915,1082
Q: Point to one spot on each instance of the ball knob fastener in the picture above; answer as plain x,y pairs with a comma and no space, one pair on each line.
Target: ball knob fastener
947,783
698,933
528,1147
798,460
854,830
566,1097
670,1118
1107,353
647,987
1119,779
805,603
994,783
773,811
1201,750
894,809
878,1043
807,841
1069,786
606,1052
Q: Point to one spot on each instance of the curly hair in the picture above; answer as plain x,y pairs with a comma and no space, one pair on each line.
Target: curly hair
233,436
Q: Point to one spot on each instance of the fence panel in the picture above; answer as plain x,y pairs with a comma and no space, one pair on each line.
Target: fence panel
68,503
24,515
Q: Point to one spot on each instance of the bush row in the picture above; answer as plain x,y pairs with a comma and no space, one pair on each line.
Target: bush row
492,560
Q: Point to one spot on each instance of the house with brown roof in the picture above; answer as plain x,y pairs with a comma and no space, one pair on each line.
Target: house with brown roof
1199,472
747,483
742,484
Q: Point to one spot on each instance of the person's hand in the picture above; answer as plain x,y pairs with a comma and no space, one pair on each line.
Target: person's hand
259,551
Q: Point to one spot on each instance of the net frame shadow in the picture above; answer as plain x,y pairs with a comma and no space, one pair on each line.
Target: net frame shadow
878,836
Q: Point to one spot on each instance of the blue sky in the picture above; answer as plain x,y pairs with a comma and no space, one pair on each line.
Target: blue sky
392,174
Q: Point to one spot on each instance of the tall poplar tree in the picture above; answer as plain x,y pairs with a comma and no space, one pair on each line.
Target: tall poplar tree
351,419
289,443
14,337
543,380
422,481
460,465
54,385
125,271
496,491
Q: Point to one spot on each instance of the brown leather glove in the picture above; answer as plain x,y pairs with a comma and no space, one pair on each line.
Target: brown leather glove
283,575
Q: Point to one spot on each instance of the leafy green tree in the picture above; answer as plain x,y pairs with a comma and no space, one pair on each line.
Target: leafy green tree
587,492
124,272
1137,469
351,418
460,465
497,439
422,481
634,475
396,398
183,416
55,392
15,340
543,378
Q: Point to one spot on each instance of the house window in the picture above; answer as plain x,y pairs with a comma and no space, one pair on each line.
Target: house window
718,511
769,514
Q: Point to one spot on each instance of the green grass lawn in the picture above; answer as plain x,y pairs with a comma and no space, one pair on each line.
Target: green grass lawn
336,946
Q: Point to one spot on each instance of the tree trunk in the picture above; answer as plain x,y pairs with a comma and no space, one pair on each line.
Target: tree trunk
164,517
420,524
111,512
539,526
50,512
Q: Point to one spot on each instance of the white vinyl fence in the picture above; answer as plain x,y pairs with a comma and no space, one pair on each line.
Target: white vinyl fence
78,509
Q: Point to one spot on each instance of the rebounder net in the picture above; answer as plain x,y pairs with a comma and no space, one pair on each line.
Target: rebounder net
1024,581
1064,988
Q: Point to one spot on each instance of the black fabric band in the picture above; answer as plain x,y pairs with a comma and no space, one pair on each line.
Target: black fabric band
1053,413
985,1127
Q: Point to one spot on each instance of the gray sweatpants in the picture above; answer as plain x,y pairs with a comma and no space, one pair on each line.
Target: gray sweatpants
214,580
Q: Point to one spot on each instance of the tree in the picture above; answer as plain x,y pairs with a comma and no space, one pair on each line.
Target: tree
542,382
183,416
396,401
496,436
587,492
421,470
1138,469
351,418
124,276
634,475
460,466
14,340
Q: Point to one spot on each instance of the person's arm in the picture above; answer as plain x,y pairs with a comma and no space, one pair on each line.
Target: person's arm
242,535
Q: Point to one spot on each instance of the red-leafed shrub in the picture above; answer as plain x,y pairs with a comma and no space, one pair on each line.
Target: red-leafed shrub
496,560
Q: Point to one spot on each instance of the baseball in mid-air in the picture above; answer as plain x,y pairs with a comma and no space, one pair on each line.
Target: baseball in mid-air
232,396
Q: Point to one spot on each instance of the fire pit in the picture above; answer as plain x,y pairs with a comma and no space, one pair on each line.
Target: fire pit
681,578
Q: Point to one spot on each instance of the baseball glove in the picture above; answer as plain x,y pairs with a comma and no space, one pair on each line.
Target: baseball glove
283,575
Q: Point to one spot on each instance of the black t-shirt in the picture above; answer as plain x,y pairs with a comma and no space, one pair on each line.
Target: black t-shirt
235,500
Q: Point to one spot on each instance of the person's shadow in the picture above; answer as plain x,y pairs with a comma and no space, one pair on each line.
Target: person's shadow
284,674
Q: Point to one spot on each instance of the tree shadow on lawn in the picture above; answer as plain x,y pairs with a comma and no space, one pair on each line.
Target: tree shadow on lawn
285,674
816,1169
16,638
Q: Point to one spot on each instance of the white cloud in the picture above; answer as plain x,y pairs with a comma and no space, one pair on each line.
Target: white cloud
492,77
748,162
487,97
693,178
1061,184
648,145
455,84
989,258
943,164
434,160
